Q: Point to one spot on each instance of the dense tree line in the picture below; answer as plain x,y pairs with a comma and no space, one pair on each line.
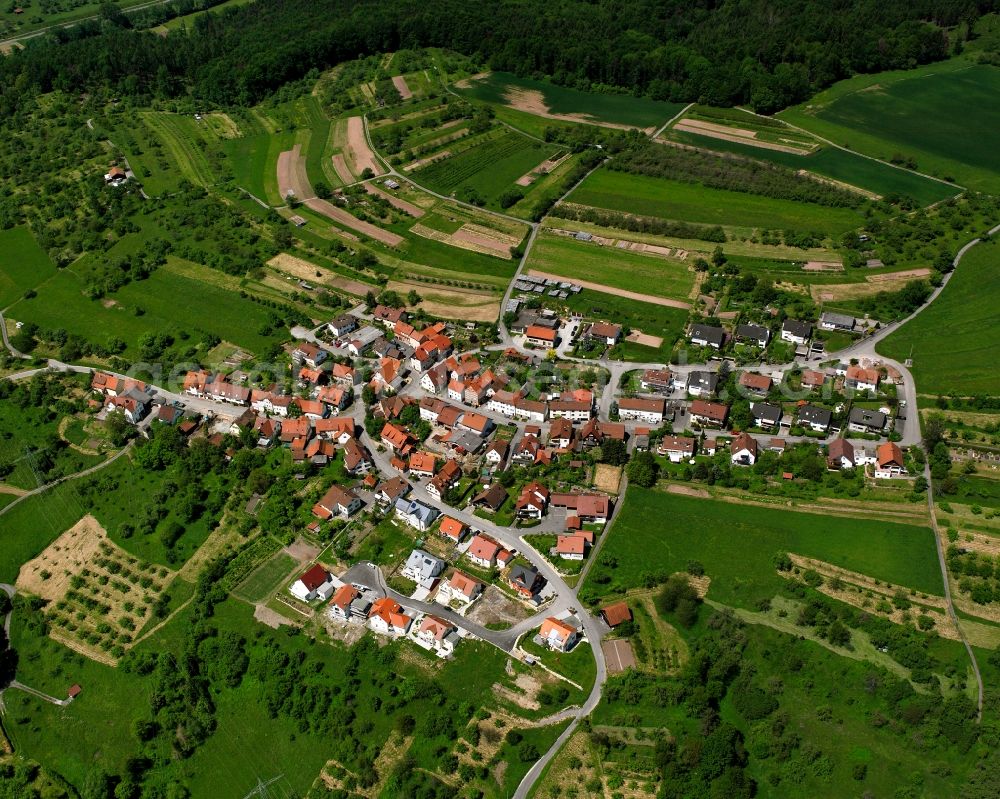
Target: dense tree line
730,172
722,53
638,224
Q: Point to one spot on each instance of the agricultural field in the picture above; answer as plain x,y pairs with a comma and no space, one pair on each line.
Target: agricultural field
836,164
688,202
484,171
23,264
32,16
613,266
737,543
567,105
953,363
940,117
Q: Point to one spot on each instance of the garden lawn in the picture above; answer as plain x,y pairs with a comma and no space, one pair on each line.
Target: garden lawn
951,340
611,266
614,109
656,320
265,579
943,115
690,202
658,532
23,264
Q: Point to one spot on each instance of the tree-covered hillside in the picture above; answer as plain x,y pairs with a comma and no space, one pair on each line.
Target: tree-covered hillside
731,51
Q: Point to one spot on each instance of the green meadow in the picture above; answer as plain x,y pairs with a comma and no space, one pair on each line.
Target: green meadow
952,339
660,532
23,264
841,165
690,202
613,109
611,266
945,116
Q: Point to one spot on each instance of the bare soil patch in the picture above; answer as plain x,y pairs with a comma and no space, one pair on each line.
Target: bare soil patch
340,167
889,281
542,169
466,83
632,295
495,607
822,266
452,303
331,211
619,655
395,202
638,337
468,235
63,558
607,477
404,90
223,125
357,147
688,491
740,135
532,101
291,174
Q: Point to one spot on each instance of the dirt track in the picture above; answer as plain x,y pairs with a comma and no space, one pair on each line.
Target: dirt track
357,146
632,295
395,202
400,83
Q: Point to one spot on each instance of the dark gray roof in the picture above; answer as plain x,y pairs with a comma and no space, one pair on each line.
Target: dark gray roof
523,575
812,414
798,328
767,413
753,332
713,335
874,420
704,380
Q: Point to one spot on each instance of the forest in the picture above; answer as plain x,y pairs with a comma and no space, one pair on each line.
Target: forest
719,53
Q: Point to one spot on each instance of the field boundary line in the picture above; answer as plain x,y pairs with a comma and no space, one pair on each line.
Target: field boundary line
669,122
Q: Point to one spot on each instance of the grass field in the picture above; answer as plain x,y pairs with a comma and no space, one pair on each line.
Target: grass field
951,340
183,139
841,165
612,109
265,579
688,202
254,159
611,266
488,169
656,320
206,306
23,264
660,532
943,115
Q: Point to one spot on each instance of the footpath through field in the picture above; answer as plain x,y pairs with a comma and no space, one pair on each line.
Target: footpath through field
632,295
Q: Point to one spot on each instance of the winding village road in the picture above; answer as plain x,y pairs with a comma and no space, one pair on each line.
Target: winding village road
565,598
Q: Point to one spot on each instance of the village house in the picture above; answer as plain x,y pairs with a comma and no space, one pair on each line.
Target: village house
337,502
558,635
570,547
812,379
437,635
297,429
866,420
574,410
416,514
889,461
753,334
755,383
310,354
532,502
387,618
397,440
815,418
491,498
859,379
343,324
707,336
605,332
766,415
335,398
708,414
388,317
561,434
836,321
495,455
743,450
659,381
388,491
460,588
615,614
422,568
267,430
796,331
312,409
483,551
589,508
357,459
422,464
452,529
525,580
475,423
637,409
541,336
445,479
531,410
676,448
350,604
338,429
316,583
840,454
702,384
342,374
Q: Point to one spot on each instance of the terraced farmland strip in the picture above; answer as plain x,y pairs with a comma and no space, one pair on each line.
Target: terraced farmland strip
451,172
181,143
